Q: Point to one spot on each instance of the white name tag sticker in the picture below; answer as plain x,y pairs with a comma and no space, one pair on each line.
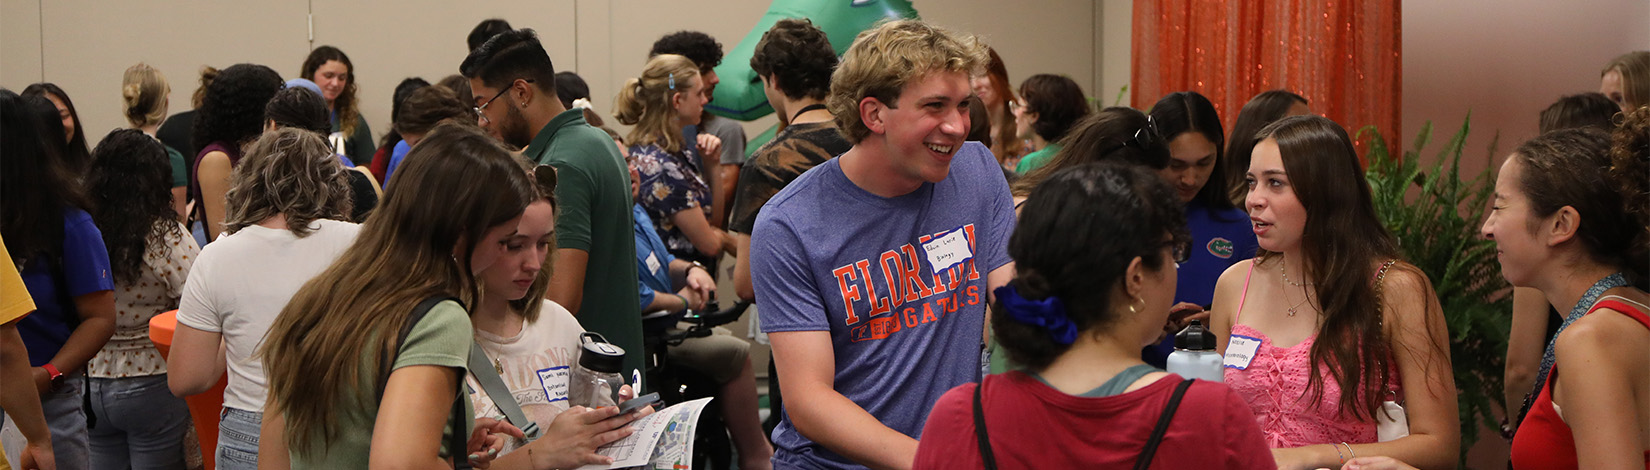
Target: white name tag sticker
1240,351
652,263
554,381
946,251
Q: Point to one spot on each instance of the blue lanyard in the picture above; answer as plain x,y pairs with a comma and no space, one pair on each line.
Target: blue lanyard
1581,307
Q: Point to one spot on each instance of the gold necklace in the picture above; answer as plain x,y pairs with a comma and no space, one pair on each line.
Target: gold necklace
1282,262
1304,298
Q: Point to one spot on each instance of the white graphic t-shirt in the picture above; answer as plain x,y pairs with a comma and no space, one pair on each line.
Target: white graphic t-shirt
534,365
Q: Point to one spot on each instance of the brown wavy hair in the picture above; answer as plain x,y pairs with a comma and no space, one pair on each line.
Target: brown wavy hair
292,172
409,250
1343,244
1005,133
345,105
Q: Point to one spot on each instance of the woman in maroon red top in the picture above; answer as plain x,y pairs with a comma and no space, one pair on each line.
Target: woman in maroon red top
1095,252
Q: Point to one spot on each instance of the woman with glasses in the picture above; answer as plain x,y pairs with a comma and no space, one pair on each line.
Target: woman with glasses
668,95
1095,248
1328,335
1049,106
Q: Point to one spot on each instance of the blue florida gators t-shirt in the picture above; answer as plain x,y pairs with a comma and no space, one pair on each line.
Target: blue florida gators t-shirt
827,255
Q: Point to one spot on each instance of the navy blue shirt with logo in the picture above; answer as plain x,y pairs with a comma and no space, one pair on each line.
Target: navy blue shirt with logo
1220,238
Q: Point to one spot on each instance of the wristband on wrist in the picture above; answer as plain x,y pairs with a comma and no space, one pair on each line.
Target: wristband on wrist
683,299
52,373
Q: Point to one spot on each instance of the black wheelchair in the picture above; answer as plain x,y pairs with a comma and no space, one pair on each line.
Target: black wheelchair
712,446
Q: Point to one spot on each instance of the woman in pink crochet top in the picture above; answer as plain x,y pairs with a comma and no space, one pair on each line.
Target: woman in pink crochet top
1326,323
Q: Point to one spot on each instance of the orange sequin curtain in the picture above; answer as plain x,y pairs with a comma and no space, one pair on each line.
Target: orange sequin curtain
1342,55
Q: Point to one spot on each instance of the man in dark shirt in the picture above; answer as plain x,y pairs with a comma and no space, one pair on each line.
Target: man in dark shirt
514,85
795,61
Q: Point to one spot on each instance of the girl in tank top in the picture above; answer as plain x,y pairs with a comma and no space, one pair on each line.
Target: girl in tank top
1326,323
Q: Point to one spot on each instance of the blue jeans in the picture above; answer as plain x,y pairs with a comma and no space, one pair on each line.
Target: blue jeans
67,420
238,439
140,425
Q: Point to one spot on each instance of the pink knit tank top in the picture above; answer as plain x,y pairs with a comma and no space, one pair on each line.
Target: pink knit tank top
1275,387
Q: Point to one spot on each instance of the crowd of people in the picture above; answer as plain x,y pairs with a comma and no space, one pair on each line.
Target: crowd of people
953,272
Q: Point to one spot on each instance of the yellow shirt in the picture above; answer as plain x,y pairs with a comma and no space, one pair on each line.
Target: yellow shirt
14,296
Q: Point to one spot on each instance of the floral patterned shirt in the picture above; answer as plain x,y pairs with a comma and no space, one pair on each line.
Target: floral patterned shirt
671,183
157,289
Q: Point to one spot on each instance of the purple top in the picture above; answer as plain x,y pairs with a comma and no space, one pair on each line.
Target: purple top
194,169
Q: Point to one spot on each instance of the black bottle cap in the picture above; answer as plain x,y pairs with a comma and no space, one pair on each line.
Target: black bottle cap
1195,338
599,355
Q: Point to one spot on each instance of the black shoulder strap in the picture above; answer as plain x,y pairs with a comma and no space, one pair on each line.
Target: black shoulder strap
1145,459
980,434
456,441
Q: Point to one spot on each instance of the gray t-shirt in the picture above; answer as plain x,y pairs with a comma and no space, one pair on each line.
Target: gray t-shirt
827,255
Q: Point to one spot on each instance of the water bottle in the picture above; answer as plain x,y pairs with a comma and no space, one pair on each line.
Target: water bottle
595,381
1194,355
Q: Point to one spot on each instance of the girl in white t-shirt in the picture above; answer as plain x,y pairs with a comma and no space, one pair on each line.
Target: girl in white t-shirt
531,341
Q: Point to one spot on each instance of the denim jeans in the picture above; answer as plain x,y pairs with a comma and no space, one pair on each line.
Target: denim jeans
67,420
140,425
238,439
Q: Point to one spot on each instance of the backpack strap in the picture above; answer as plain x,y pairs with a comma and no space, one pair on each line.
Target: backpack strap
456,441
986,455
1146,454
494,386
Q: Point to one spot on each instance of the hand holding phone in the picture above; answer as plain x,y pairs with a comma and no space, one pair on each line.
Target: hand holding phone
638,402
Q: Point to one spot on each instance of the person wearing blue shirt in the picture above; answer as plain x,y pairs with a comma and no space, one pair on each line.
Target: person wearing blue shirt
1221,233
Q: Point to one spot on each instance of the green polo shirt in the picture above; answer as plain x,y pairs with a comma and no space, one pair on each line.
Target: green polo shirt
593,214
1037,159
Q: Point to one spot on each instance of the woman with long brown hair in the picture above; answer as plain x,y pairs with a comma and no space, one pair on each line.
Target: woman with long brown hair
330,69
342,350
1327,324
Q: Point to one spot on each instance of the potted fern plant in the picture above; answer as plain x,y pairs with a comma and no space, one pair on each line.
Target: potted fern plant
1436,216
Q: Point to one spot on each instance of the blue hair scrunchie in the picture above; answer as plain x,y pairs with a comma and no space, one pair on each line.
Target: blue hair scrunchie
1048,313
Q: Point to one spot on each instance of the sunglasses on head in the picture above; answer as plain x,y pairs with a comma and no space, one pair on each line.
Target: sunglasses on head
545,177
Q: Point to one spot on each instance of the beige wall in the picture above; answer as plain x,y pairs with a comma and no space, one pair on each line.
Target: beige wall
84,48
1505,61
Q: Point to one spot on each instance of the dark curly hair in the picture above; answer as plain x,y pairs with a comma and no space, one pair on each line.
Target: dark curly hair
1630,170
798,54
35,186
1058,102
299,108
698,47
1075,238
233,110
74,150
129,183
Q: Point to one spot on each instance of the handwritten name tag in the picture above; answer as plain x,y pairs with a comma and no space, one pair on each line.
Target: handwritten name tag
1240,351
947,250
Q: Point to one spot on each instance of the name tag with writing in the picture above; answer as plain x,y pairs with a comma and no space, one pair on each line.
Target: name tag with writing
1240,351
946,251
554,382
652,263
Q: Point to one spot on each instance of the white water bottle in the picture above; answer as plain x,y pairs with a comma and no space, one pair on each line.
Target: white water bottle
1194,355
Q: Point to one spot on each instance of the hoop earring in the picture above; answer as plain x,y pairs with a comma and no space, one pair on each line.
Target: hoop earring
1139,300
